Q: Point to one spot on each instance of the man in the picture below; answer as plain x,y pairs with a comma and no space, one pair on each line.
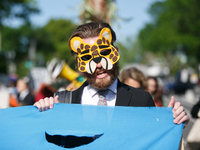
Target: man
97,59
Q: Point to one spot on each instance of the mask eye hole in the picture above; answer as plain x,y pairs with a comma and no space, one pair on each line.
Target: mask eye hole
86,57
105,52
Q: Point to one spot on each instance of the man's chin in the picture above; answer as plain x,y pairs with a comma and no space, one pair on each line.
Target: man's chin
101,83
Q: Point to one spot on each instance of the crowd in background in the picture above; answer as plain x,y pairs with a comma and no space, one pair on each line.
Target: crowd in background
136,78
20,93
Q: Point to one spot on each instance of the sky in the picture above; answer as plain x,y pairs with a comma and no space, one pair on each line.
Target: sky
135,9
68,9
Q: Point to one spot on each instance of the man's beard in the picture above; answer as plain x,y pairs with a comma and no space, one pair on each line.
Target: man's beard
104,83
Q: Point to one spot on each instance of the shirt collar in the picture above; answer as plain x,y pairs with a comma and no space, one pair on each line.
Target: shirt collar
113,87
91,90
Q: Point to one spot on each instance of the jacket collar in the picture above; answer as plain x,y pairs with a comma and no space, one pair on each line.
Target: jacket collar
123,96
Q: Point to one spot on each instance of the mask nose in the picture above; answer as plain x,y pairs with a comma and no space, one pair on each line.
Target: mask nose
97,59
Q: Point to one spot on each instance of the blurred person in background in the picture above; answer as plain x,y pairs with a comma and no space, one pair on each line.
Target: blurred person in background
24,97
12,89
155,91
3,87
4,96
133,77
193,137
195,111
12,84
46,90
8,91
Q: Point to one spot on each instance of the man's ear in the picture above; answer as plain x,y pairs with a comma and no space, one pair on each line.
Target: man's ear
74,44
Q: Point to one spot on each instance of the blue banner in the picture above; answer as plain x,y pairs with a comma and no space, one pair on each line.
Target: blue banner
119,128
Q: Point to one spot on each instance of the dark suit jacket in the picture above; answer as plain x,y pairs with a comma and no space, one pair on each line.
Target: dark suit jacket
126,96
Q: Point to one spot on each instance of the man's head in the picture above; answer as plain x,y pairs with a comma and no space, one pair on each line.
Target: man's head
97,56
100,50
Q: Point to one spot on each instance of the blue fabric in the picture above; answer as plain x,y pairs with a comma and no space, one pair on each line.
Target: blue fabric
123,128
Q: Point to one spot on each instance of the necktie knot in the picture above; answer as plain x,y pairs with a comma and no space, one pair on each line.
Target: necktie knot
102,96
103,92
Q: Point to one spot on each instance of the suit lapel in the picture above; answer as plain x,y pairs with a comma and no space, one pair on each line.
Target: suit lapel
123,96
76,95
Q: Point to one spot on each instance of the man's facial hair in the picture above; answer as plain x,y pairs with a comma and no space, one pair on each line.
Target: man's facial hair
113,73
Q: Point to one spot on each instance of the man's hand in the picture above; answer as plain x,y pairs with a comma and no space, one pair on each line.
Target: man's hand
179,112
46,103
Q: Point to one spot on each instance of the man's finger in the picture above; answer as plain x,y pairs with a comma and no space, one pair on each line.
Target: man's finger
42,104
184,119
47,103
37,104
177,110
172,102
179,116
51,102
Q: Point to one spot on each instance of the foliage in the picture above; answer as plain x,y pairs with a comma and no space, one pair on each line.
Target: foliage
59,31
11,40
98,11
16,40
129,52
51,41
174,27
17,9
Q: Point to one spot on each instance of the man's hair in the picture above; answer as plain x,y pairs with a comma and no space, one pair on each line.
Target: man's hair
91,29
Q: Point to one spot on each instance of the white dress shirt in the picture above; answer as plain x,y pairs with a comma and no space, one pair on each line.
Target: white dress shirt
91,97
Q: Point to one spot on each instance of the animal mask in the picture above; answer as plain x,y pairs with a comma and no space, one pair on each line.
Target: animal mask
102,51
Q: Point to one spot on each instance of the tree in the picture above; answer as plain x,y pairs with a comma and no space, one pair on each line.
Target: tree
50,41
16,41
129,52
174,28
10,9
98,11
17,9
57,32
